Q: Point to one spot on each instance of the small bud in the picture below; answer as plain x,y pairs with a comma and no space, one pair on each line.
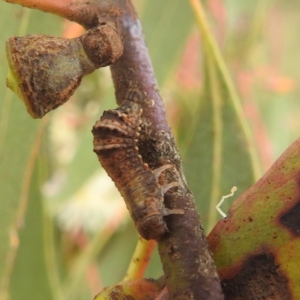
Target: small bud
102,44
44,71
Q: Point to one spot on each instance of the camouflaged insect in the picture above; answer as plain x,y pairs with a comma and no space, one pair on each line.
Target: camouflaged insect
115,143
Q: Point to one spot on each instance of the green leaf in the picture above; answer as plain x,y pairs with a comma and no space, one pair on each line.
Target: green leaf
17,135
220,151
30,278
115,257
263,222
166,26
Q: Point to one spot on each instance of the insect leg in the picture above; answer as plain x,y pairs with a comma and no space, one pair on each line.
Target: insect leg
172,211
168,211
159,170
166,187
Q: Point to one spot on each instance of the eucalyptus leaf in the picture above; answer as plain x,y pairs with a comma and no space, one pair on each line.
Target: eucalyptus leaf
262,229
166,27
17,133
220,151
30,278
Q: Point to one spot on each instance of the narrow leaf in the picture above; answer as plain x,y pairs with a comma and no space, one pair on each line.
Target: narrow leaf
166,26
17,135
30,269
220,153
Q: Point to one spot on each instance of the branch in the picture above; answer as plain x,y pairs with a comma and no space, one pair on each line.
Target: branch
86,13
189,269
187,263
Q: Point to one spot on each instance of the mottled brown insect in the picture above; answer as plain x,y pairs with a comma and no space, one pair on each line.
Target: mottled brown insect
115,143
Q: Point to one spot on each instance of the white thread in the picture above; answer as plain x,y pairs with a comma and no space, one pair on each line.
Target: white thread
222,200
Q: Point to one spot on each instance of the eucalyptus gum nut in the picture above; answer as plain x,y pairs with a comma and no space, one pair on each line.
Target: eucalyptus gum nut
102,44
137,289
45,70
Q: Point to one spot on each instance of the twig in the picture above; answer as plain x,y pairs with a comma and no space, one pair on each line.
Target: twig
140,259
188,266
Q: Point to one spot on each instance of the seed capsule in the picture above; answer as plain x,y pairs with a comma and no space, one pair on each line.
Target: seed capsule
44,71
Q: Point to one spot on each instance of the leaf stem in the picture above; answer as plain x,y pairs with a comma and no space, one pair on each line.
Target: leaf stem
140,259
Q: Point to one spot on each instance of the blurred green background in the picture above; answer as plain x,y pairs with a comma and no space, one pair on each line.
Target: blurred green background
64,231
